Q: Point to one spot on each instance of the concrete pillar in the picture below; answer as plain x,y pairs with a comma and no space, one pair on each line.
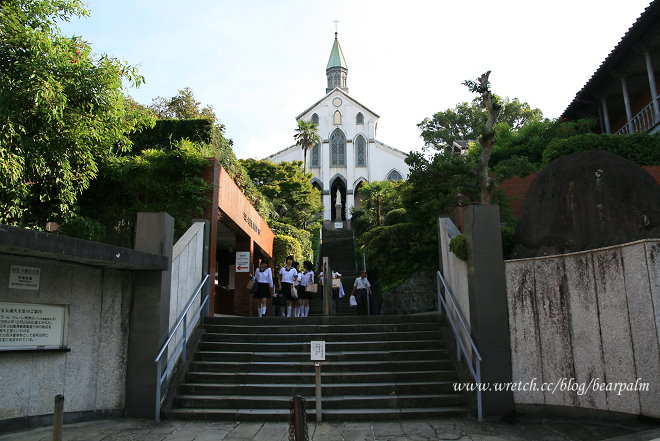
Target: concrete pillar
606,116
654,91
212,177
150,314
488,303
350,203
626,102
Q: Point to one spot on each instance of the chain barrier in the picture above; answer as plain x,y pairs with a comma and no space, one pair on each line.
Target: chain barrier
297,419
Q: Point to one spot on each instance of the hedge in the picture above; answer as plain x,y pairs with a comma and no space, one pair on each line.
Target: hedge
285,246
640,148
167,131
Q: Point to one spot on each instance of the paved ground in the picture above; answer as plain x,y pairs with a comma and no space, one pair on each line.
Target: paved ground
462,429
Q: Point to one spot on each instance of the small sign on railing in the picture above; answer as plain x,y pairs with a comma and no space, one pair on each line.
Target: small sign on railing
317,351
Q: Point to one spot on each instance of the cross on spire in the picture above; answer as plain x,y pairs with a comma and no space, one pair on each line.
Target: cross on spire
336,22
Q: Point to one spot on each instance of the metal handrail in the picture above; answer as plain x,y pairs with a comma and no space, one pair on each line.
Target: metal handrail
181,347
459,335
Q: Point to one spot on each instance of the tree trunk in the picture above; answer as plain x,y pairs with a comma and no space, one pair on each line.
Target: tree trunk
304,160
486,140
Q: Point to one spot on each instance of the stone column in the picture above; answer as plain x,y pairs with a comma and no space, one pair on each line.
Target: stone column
654,91
626,102
150,314
606,116
488,303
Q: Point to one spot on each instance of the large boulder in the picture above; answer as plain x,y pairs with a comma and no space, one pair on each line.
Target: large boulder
587,200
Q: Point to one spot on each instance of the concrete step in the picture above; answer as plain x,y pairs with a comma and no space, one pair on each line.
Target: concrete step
327,377
323,320
282,415
328,389
335,402
378,345
341,366
301,326
275,337
426,354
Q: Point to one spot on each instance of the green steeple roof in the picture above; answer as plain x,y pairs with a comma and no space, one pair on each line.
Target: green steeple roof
336,56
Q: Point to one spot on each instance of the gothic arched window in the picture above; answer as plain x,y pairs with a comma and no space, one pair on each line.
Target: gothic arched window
337,118
394,176
359,118
360,152
315,119
337,149
315,156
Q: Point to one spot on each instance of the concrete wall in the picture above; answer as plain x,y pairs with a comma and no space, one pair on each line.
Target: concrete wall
187,273
588,315
92,375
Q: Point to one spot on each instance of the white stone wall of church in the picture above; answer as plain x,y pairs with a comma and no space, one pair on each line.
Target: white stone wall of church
381,162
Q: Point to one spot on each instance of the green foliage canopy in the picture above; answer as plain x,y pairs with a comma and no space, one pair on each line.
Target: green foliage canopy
62,110
294,200
468,121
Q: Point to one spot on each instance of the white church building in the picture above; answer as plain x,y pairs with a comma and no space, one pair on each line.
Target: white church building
349,153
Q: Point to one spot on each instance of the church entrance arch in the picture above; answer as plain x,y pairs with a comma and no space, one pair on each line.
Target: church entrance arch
338,188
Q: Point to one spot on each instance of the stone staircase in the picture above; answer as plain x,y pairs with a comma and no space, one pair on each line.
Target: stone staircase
338,246
376,368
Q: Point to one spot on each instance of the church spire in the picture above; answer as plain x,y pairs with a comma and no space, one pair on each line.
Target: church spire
336,70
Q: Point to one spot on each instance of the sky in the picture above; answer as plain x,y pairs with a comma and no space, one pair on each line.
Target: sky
260,63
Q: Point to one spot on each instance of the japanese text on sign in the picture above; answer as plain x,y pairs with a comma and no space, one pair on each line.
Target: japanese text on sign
31,325
317,350
24,277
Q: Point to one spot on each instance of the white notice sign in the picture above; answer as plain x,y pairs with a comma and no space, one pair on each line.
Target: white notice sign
242,261
317,350
24,277
339,225
30,325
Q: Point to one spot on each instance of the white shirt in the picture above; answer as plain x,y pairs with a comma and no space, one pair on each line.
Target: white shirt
288,276
265,276
306,278
361,283
335,275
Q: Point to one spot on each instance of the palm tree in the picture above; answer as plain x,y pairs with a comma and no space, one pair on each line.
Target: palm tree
306,137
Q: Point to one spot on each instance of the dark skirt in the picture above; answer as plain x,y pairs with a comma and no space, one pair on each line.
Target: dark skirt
263,291
286,290
302,294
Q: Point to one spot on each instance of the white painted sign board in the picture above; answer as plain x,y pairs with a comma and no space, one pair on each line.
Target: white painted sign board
242,261
24,277
31,325
317,351
339,225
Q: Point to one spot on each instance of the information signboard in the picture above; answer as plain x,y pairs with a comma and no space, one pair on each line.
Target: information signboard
31,326
242,261
24,277
317,351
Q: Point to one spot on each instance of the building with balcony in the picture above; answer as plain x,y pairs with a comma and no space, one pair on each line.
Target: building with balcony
622,95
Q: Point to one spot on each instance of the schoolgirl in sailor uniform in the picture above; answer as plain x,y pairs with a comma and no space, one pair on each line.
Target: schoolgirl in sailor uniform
263,277
307,276
296,285
287,277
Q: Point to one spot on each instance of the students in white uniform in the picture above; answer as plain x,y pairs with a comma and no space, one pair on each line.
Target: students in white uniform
263,277
287,278
307,276
295,302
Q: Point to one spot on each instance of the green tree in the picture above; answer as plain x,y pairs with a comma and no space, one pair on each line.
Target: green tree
295,201
182,106
380,198
468,121
306,137
62,110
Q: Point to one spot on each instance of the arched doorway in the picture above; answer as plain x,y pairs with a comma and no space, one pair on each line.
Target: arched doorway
338,183
316,183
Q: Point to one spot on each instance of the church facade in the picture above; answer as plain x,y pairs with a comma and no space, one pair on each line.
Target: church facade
349,153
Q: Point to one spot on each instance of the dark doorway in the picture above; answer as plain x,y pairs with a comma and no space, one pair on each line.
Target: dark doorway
338,184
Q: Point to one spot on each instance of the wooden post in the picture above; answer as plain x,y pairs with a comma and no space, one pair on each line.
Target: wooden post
299,418
58,417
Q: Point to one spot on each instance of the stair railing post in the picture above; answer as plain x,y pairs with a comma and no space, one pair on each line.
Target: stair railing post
317,377
58,417
327,287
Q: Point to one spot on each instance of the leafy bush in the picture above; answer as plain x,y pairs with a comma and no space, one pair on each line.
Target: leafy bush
458,246
396,216
302,236
507,240
640,148
285,246
167,132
